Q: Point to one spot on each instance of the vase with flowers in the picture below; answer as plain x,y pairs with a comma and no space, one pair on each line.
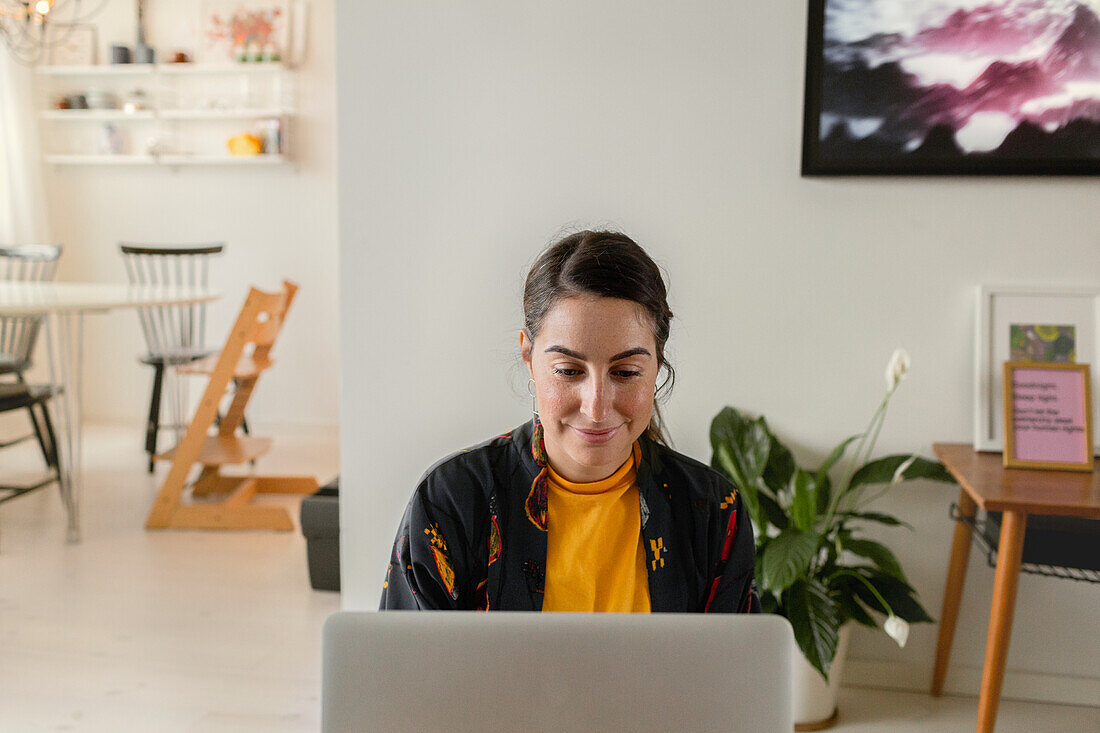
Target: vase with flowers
814,564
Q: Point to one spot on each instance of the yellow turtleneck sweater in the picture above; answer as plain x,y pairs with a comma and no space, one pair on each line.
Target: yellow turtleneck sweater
595,559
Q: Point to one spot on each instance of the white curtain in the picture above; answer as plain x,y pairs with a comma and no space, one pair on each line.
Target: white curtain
22,191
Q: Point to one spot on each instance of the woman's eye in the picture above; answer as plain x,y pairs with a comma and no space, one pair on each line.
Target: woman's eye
627,373
567,372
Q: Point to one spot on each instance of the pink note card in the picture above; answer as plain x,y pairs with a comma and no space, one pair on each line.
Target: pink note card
1048,415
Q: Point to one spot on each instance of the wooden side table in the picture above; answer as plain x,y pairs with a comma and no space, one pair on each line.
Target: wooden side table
1016,493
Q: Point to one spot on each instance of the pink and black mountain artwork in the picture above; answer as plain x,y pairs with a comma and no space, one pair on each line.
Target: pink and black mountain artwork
960,79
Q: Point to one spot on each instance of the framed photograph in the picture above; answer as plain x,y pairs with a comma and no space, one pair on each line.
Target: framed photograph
1038,325
952,87
229,26
1047,416
72,44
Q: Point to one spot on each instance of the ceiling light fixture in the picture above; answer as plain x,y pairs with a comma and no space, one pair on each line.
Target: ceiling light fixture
29,28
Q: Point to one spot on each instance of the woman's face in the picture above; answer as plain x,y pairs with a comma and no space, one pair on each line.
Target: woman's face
595,367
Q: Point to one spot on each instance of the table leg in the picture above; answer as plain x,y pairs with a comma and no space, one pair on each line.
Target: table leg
952,590
1010,550
66,370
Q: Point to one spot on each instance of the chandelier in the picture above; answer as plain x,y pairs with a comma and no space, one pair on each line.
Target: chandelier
30,27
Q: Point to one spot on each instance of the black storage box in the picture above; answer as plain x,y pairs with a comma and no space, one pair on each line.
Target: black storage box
1065,542
321,527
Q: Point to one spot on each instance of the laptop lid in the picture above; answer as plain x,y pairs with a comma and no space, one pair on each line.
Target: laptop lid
465,671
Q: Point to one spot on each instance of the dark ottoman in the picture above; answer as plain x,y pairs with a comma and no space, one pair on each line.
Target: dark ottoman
321,527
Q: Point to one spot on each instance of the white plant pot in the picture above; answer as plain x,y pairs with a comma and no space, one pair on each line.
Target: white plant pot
812,698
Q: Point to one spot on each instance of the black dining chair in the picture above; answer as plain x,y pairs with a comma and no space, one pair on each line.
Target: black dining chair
18,336
174,335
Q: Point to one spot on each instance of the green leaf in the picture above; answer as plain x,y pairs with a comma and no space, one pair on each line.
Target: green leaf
788,558
877,517
816,622
747,442
723,461
772,511
844,589
780,467
768,604
881,471
803,500
901,597
741,448
850,608
899,594
821,476
830,461
876,552
824,492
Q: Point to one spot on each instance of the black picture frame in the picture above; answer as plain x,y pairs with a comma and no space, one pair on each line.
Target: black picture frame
1027,149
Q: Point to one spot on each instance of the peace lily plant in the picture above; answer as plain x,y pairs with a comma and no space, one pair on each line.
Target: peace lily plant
813,565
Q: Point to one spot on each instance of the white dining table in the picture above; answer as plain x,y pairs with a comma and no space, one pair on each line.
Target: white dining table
65,304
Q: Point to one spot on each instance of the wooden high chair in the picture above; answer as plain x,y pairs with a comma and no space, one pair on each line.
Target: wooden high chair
258,325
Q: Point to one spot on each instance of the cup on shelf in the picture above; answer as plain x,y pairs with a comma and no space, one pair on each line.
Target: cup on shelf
120,54
144,54
97,99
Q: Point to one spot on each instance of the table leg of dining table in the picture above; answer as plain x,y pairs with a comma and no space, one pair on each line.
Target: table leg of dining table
1010,550
65,352
953,588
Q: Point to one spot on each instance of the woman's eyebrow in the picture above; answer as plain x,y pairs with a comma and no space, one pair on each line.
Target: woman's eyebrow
581,357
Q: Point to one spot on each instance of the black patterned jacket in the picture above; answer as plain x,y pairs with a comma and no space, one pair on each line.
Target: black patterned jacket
474,534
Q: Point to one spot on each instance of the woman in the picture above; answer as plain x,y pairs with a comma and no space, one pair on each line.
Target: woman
584,507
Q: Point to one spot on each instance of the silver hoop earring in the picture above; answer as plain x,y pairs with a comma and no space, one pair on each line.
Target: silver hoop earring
534,402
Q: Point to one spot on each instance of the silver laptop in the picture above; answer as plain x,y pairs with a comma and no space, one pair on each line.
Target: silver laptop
466,671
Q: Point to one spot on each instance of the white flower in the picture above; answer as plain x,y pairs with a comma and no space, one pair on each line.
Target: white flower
899,473
897,368
897,629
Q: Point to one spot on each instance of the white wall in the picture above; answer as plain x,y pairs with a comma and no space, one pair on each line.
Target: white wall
277,223
470,133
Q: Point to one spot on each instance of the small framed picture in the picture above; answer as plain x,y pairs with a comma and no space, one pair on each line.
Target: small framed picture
1047,416
72,44
251,27
1041,324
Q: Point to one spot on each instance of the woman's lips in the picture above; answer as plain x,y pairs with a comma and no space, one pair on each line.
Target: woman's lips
597,436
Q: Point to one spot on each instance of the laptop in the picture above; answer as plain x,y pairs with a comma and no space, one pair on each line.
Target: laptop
512,671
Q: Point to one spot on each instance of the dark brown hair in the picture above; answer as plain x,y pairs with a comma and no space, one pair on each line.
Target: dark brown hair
609,265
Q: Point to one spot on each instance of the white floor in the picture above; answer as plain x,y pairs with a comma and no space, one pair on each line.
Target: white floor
133,630
219,631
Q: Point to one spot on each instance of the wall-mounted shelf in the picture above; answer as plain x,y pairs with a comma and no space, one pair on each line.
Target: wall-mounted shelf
223,114
79,159
194,108
245,160
167,160
118,115
149,69
243,68
96,115
97,70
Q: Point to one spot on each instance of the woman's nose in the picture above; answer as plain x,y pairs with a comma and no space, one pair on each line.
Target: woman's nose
595,400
